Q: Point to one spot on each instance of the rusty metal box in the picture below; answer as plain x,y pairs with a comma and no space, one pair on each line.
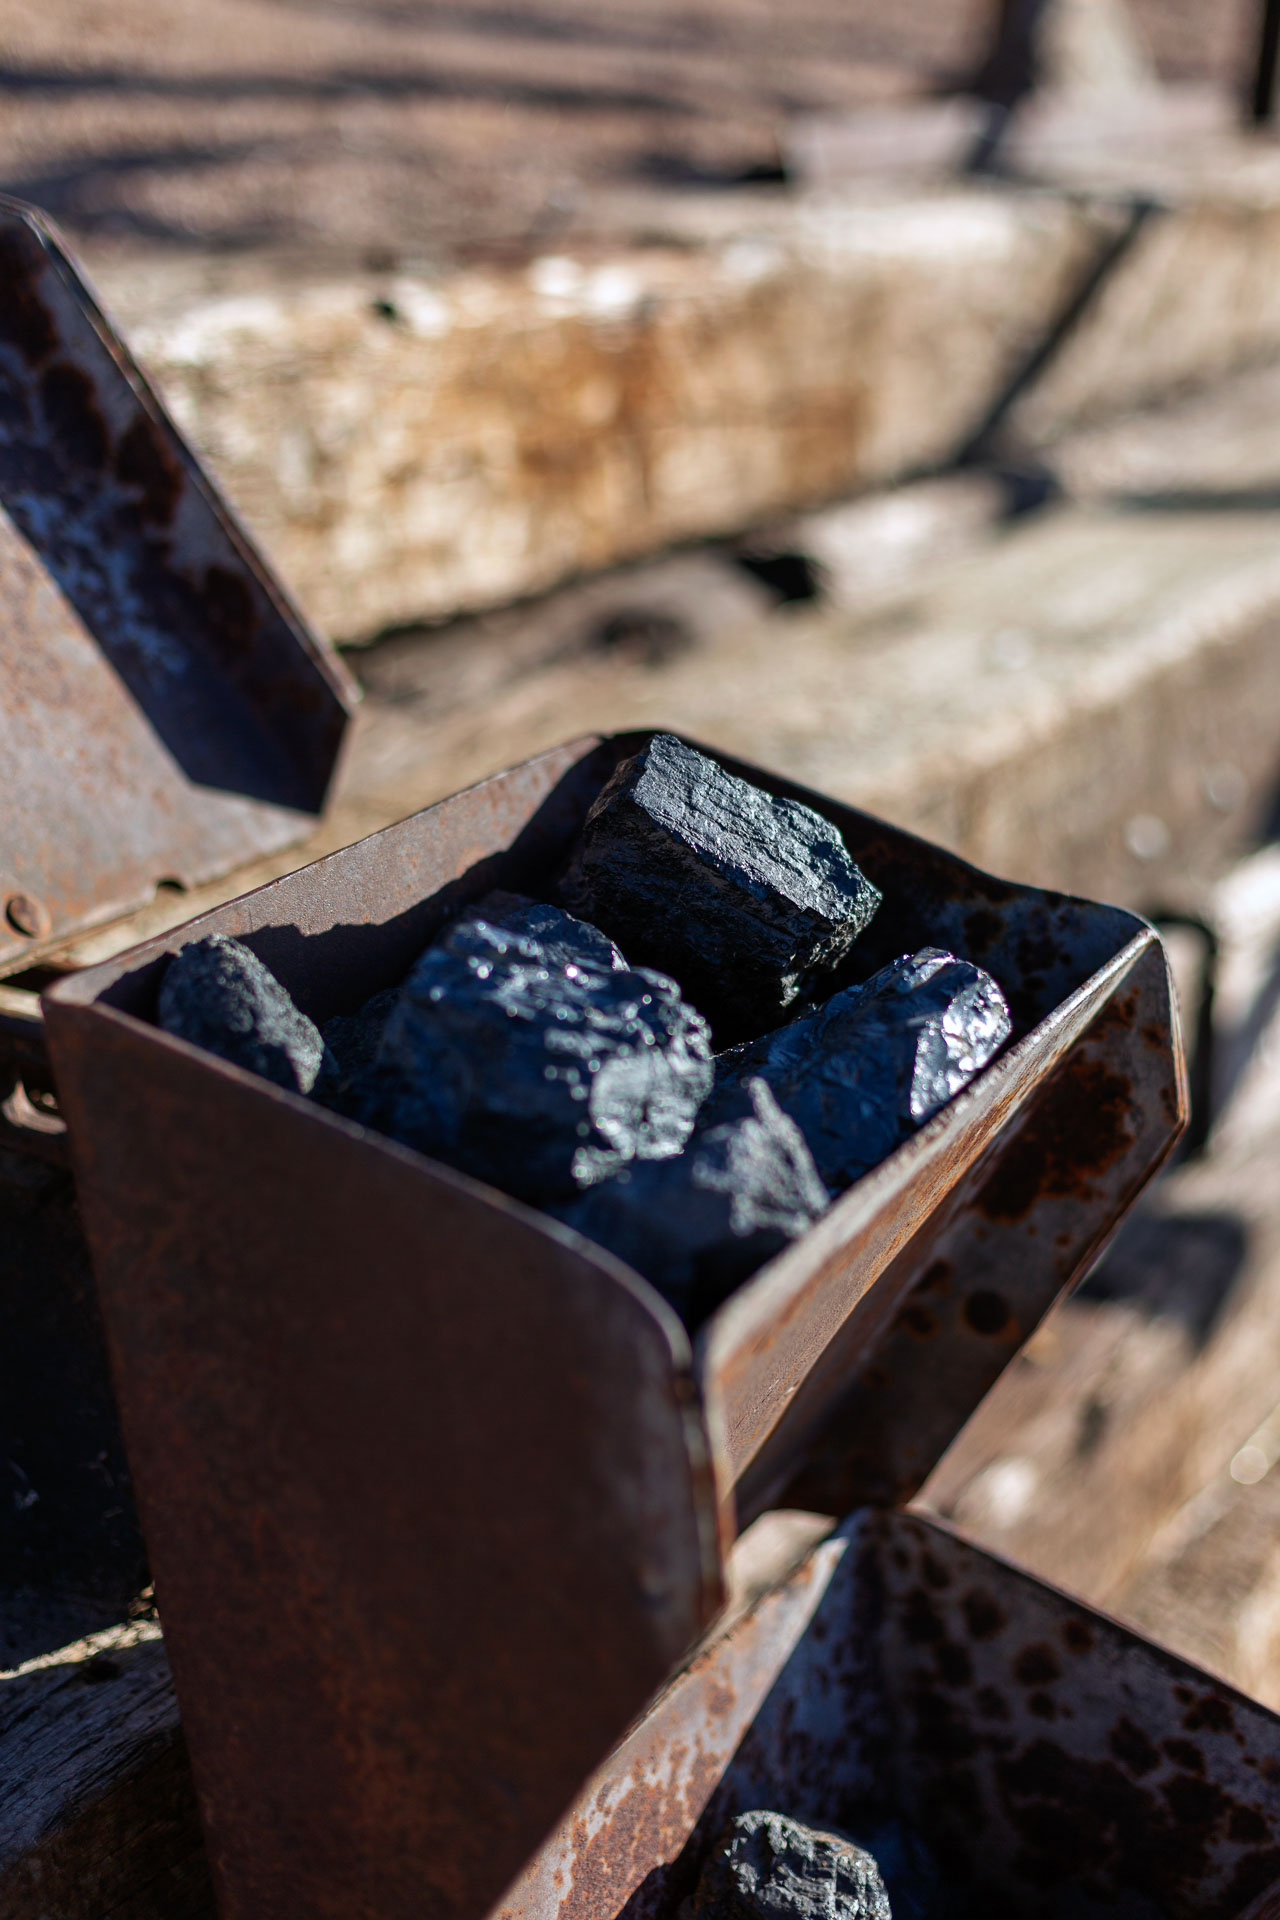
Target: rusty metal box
1057,1766
437,1493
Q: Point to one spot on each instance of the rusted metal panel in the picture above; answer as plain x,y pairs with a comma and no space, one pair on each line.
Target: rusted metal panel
305,1321
164,712
1047,1756
426,1493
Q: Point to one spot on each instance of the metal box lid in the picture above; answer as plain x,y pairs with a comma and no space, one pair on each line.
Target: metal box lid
165,713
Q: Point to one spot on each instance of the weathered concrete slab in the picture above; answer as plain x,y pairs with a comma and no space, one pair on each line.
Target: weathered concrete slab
1195,297
406,447
1086,701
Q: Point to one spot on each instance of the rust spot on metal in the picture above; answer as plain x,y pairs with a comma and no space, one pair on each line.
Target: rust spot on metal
1042,1705
920,1620
936,1278
955,1665
982,1616
1185,1754
73,416
1135,1751
1208,1711
991,1703
1247,1826
988,1313
916,1319
1078,1636
147,463
1036,1665
1082,1127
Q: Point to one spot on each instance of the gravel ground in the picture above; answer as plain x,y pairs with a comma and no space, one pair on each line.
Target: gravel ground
362,128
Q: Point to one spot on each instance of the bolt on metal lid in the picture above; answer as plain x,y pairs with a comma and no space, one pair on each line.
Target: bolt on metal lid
165,713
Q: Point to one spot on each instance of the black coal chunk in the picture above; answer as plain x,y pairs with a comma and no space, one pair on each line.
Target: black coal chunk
860,1073
534,1071
352,1040
766,1867
565,939
699,1225
745,899
217,994
351,1043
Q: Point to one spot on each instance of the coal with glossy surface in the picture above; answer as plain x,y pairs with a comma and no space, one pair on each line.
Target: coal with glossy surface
766,1867
537,1072
744,898
700,1224
860,1073
217,994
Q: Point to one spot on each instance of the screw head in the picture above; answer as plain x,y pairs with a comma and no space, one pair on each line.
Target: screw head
26,915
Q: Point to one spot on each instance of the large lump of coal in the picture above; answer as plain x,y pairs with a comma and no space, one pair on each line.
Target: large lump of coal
860,1073
352,1040
534,1070
217,994
766,1867
747,900
700,1224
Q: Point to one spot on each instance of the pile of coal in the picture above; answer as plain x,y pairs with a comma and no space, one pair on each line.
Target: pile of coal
701,1223
218,994
530,1050
766,1867
746,899
536,1063
861,1072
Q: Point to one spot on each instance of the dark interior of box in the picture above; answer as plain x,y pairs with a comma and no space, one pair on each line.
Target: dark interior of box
1052,1766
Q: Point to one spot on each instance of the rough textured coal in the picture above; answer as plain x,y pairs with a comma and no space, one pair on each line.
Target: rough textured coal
351,1046
700,1224
565,939
859,1074
536,1072
745,899
218,995
352,1040
766,1867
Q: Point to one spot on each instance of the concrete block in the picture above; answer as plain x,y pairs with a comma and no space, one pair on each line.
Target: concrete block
407,447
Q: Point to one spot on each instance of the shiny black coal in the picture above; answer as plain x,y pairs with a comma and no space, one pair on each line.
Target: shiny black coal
747,900
766,1867
536,1063
700,1224
860,1073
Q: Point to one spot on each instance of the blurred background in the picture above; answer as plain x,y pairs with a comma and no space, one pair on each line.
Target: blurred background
888,394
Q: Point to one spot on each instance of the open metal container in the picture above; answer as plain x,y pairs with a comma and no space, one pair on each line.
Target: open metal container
437,1494
1056,1766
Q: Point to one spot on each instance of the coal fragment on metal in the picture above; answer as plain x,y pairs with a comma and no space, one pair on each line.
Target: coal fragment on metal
535,1072
217,994
747,900
699,1225
766,1867
860,1073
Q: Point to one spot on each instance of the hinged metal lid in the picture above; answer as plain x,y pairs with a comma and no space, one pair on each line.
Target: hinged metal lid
165,714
